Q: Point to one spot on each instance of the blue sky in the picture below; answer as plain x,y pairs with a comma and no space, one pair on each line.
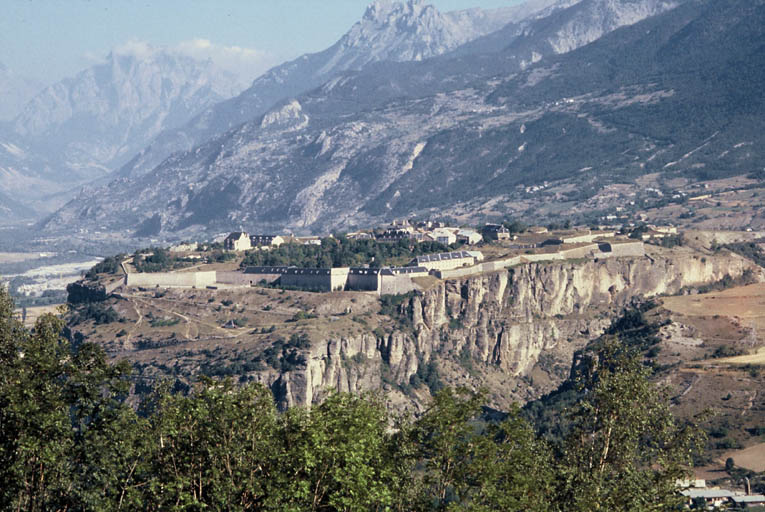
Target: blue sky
51,39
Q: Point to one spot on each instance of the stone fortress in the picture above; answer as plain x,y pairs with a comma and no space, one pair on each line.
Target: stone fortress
537,247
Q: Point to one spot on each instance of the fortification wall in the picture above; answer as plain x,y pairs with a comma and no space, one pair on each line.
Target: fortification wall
314,279
551,256
368,280
628,249
236,277
172,279
579,252
396,284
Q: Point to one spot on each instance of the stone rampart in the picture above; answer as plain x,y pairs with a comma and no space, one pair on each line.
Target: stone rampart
316,279
236,278
172,279
396,284
364,279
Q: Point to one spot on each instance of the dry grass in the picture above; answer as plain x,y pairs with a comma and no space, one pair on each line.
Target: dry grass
745,303
757,358
35,312
752,458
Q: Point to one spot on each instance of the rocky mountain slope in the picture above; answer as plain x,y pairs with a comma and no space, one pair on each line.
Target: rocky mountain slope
672,94
99,117
389,31
82,127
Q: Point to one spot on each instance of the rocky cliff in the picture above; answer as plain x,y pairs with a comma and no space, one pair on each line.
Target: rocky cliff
505,330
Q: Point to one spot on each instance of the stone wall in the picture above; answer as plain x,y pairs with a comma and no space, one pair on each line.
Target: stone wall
635,248
396,284
317,279
235,277
364,279
172,279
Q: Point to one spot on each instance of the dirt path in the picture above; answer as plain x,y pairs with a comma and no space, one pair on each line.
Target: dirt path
137,323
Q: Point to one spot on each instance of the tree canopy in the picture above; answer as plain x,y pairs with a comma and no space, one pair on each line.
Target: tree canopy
71,439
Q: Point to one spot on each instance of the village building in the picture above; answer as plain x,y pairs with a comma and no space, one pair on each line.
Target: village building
308,240
267,240
496,232
183,247
748,501
359,235
469,236
237,241
445,260
712,497
444,236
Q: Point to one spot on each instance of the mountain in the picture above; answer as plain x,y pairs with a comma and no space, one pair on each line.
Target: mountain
15,91
676,94
97,119
388,31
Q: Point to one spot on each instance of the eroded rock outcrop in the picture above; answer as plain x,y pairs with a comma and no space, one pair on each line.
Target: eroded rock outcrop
503,321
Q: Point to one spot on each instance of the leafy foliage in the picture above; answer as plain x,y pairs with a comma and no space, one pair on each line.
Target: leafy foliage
109,265
157,259
69,440
341,252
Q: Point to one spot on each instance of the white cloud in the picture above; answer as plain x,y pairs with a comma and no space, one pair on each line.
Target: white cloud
135,48
246,63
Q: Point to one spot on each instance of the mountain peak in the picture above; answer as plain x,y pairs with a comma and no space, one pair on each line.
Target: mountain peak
381,11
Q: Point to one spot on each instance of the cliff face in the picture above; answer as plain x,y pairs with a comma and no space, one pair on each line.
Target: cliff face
492,329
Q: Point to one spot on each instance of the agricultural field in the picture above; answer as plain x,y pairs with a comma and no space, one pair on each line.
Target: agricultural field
743,307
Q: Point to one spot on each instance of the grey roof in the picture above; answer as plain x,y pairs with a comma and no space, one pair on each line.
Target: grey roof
444,256
364,270
265,270
752,498
707,493
392,271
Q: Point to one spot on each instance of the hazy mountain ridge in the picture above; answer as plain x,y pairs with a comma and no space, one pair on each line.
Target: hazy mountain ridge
388,31
109,111
412,32
82,127
546,123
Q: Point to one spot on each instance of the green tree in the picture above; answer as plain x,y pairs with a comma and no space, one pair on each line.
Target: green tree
510,468
34,471
67,438
445,437
340,456
212,449
626,450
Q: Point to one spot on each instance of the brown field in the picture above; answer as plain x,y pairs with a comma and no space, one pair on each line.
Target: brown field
757,358
752,458
33,313
744,303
